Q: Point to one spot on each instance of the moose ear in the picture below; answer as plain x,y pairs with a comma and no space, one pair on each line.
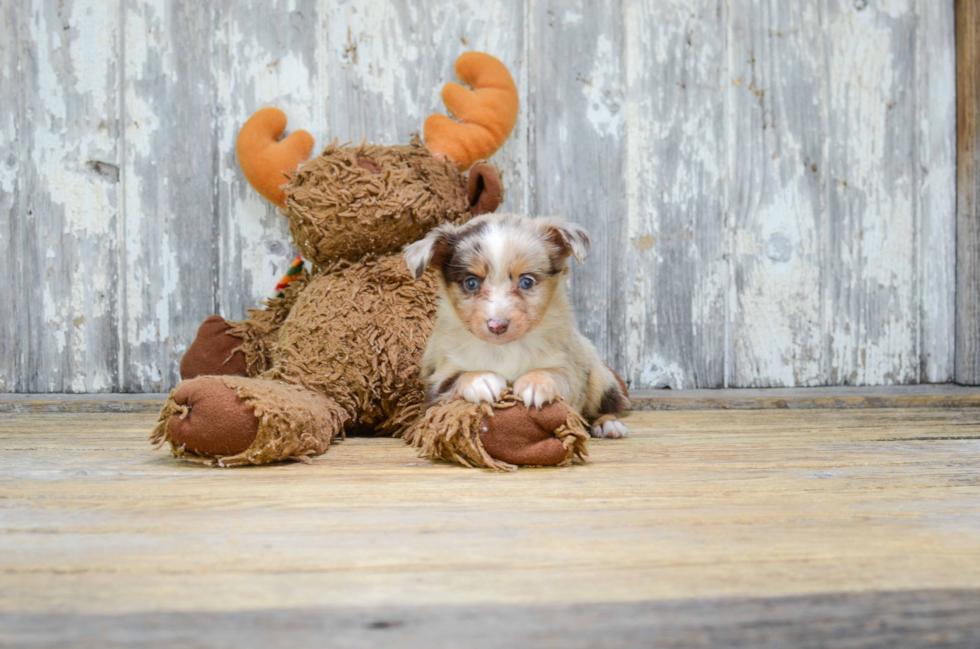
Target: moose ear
429,250
570,238
485,189
264,158
485,115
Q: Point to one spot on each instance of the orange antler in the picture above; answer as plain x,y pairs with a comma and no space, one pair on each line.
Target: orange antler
486,114
264,158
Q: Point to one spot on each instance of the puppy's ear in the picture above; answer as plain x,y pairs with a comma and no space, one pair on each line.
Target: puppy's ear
570,238
429,250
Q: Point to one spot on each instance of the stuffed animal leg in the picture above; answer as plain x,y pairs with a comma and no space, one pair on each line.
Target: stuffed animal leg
501,436
232,420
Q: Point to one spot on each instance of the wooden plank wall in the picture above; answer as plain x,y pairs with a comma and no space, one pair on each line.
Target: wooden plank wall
770,186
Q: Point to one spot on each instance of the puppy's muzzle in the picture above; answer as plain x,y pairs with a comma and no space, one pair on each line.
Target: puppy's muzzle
497,326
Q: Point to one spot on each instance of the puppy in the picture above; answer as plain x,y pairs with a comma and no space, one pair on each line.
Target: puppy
504,318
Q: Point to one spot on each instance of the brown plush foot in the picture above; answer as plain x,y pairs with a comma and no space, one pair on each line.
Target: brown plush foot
213,352
520,435
217,421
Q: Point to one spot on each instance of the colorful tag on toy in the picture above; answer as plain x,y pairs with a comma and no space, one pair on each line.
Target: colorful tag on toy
295,270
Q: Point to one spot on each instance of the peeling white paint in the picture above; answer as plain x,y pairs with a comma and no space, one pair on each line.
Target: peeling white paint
656,373
936,236
677,271
892,8
879,228
778,335
71,182
717,114
371,53
603,90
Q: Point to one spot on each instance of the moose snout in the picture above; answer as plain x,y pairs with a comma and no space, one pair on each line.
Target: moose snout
497,325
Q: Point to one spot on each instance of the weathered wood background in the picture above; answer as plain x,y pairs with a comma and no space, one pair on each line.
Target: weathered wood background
770,184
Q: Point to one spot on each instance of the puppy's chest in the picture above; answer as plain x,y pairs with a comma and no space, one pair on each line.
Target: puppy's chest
510,361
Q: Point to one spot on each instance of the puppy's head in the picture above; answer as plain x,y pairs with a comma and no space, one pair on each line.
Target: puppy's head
500,271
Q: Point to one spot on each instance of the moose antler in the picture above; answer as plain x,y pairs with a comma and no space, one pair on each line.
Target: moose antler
264,158
486,115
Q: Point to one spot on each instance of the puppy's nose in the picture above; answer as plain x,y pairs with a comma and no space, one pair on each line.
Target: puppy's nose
497,326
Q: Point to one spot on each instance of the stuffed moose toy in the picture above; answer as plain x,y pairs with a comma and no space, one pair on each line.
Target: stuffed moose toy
339,350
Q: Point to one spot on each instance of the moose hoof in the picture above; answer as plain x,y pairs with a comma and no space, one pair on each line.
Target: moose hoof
520,435
217,421
213,352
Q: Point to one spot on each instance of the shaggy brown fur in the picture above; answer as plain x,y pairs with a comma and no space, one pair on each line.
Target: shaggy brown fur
336,202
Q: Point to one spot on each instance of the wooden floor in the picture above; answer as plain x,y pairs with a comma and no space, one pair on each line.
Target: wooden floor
705,528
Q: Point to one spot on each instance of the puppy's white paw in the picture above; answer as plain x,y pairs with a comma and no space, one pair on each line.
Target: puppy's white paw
612,429
484,386
536,389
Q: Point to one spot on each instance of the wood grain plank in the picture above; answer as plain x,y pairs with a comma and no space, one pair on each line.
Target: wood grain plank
677,269
577,150
870,300
13,330
694,505
70,203
171,154
935,185
893,396
387,60
933,618
104,402
968,192
265,54
777,142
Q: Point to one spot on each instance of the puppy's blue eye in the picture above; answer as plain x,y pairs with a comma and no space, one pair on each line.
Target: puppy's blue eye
526,283
471,283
